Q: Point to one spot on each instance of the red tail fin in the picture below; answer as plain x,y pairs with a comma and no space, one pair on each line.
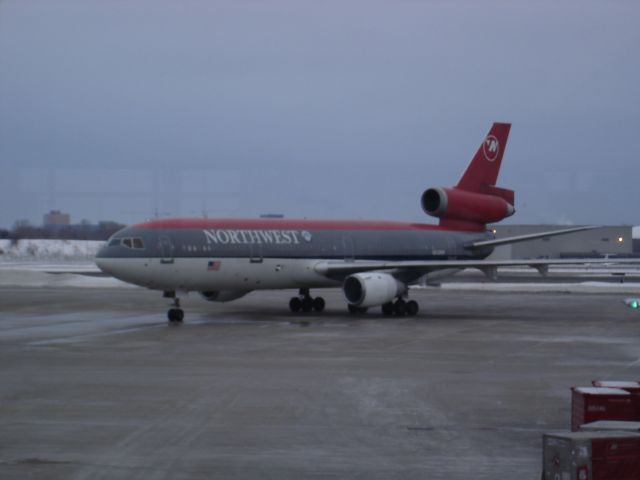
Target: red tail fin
482,172
476,200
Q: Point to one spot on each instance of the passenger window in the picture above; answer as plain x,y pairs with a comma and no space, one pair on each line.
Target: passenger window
127,243
115,242
137,243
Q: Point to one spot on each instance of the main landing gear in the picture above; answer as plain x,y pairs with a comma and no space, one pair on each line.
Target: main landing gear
401,308
353,310
175,314
304,302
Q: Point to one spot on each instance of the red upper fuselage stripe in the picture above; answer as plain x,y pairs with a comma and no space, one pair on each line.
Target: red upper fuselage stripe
286,224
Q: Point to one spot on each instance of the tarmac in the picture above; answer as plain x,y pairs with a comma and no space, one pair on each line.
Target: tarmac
95,384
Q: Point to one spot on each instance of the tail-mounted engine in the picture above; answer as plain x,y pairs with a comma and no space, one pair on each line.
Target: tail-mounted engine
475,200
458,208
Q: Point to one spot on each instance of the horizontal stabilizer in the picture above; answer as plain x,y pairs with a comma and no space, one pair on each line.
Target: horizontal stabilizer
340,269
523,238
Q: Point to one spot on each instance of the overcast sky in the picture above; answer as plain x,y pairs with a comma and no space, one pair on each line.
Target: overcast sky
334,109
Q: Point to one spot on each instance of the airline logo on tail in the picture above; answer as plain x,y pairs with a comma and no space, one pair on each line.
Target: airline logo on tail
491,148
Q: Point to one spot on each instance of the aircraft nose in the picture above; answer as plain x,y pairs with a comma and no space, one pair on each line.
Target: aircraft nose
101,250
103,262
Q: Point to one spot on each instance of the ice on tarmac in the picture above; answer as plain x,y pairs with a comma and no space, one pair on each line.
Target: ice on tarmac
541,287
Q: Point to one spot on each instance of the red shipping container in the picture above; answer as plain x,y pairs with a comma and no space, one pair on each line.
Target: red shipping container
615,458
591,456
590,404
632,387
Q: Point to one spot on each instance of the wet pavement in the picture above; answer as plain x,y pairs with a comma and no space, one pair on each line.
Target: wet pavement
95,384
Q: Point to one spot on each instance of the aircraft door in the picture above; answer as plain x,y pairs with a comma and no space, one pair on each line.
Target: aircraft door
255,253
452,248
166,249
347,245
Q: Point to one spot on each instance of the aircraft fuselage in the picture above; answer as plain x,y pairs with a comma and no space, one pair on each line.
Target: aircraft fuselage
230,254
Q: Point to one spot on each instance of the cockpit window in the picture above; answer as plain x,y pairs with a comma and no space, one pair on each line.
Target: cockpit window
135,243
114,242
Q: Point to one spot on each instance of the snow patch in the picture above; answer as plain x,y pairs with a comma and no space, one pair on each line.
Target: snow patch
583,287
27,277
40,250
601,391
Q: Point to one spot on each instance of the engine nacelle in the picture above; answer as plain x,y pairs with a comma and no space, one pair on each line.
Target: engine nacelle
224,295
457,204
371,289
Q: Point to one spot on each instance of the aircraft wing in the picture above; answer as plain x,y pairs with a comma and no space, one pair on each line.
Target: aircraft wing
338,269
341,269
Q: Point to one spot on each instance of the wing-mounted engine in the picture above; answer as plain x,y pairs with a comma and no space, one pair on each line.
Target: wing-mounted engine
458,208
224,295
371,289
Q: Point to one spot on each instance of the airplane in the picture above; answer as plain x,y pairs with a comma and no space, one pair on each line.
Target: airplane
374,262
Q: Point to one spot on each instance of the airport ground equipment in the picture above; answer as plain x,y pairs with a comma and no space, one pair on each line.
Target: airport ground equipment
628,386
589,404
591,456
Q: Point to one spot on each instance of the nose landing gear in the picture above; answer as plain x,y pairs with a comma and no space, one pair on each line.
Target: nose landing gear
175,314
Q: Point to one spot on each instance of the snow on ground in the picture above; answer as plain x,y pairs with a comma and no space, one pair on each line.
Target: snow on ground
61,263
74,276
25,277
52,263
541,287
34,250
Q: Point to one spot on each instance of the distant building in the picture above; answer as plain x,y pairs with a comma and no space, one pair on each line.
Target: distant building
56,218
605,240
22,223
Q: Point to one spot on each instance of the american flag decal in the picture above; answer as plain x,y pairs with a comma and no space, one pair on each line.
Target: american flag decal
213,265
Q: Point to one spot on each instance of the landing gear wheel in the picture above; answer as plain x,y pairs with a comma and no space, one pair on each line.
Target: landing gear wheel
387,309
400,307
307,304
353,310
295,304
412,308
175,315
318,304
